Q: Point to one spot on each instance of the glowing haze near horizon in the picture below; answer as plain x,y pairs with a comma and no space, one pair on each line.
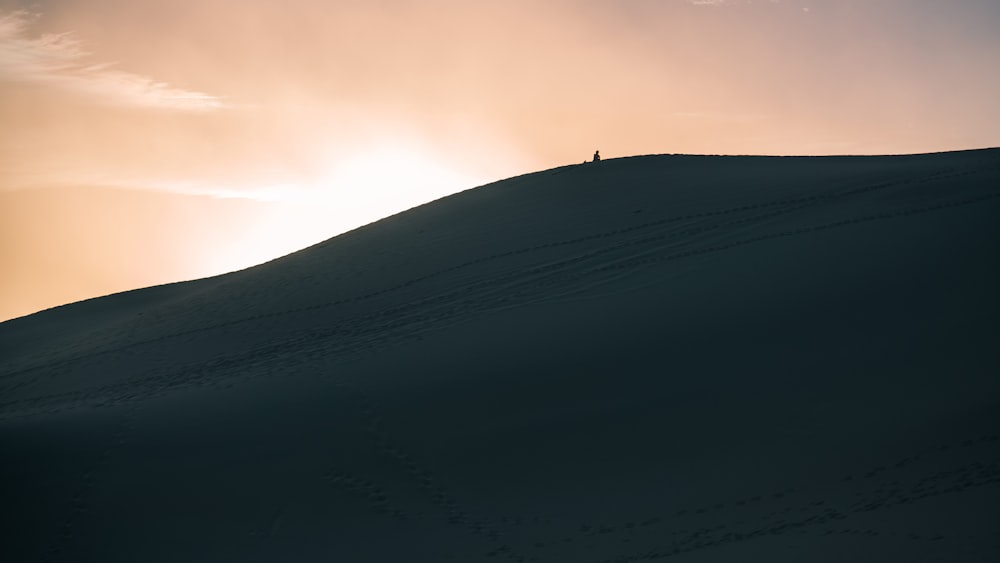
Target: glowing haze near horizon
144,142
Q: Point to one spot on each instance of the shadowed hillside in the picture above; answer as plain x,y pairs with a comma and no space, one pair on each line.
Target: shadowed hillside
678,358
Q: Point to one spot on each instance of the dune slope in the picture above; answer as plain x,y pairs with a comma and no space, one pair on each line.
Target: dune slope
668,357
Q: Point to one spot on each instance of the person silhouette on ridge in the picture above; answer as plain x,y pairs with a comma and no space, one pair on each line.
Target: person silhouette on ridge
597,156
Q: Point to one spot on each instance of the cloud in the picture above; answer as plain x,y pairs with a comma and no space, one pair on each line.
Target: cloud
260,193
58,60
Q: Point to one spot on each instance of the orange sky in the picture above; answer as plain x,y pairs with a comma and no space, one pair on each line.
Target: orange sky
144,142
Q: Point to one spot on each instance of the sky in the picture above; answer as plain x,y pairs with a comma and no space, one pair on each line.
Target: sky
153,141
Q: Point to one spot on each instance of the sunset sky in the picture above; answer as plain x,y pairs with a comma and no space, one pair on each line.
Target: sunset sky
151,141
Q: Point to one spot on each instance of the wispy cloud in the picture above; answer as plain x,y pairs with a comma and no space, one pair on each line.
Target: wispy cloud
60,61
260,193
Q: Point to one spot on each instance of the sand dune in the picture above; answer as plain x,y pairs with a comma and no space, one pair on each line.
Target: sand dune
683,358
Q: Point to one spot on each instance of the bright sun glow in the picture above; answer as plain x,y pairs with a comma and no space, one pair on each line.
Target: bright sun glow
391,178
356,189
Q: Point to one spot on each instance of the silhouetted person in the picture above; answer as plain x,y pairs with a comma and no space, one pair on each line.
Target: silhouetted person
597,156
